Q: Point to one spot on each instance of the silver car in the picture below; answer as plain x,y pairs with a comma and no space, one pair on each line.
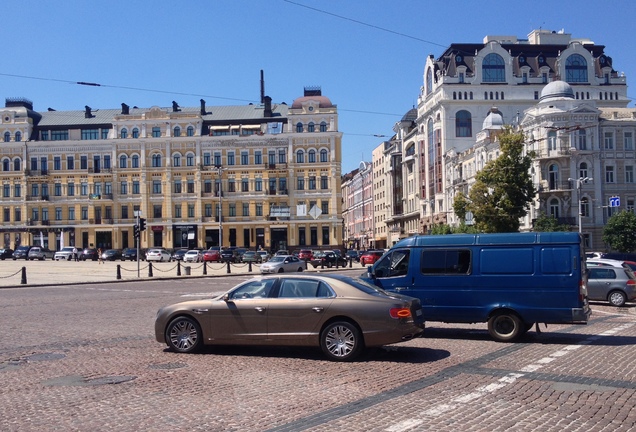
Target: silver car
616,285
40,253
283,263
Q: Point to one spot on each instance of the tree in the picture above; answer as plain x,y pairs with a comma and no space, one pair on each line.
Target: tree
620,232
545,223
503,188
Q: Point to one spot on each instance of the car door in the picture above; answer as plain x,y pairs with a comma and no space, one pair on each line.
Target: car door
243,316
298,311
599,280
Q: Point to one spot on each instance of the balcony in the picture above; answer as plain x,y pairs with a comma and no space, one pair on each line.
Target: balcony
272,192
283,192
32,173
46,222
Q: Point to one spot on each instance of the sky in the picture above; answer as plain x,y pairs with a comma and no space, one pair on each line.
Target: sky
367,56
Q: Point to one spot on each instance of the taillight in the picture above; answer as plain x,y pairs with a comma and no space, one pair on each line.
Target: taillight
631,282
400,312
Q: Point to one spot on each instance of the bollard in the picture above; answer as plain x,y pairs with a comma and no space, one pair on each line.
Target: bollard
24,280
350,262
228,267
149,269
178,268
205,267
337,261
249,266
118,271
322,263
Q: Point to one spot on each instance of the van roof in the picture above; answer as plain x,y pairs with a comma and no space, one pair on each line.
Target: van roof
490,239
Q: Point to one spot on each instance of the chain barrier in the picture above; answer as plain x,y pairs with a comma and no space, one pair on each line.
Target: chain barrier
142,268
196,268
10,276
164,271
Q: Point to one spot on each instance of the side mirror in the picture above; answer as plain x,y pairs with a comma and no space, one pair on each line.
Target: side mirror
226,297
370,272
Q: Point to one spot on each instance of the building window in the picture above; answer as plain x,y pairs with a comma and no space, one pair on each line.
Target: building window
190,131
629,141
493,68
324,206
608,140
258,184
5,165
84,189
629,174
231,185
17,191
190,186
246,209
156,160
323,126
84,213
124,133
325,235
554,208
232,210
583,170
208,210
156,132
463,124
259,209
324,155
177,131
17,164
189,159
61,135
177,211
124,212
135,187
258,157
576,69
311,156
157,211
156,187
123,161
300,156
176,187
217,159
7,137
57,163
176,160
312,182
581,139
324,182
282,156
70,189
90,134
609,174
6,190
311,127
83,162
190,210
245,185
45,214
58,213
18,136
300,184
299,127
245,160
71,213
207,186
57,189
18,214
135,161
123,189
230,158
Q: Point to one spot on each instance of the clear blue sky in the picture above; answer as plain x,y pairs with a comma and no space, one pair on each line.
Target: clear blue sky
367,55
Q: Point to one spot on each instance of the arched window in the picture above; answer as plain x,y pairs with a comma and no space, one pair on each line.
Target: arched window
585,207
553,176
156,160
300,156
493,68
554,208
176,160
190,131
311,156
17,164
177,131
18,136
463,124
156,132
135,161
5,165
123,161
429,81
299,127
582,139
583,170
310,127
7,137
324,155
552,140
190,159
135,133
576,69
323,126
124,133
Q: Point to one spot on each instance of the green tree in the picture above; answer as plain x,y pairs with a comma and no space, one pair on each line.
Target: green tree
503,188
545,223
620,232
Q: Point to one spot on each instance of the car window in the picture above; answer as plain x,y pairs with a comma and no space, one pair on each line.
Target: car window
253,289
602,273
296,288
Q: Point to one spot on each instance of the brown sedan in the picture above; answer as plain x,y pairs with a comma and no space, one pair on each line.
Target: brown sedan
339,314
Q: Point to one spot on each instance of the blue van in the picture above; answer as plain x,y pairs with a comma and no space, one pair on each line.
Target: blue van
511,281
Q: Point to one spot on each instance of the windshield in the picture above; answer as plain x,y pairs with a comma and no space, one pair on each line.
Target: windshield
279,258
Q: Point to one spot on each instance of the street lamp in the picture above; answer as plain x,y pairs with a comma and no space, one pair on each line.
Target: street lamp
578,195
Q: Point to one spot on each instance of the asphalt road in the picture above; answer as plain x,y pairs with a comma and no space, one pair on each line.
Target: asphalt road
83,357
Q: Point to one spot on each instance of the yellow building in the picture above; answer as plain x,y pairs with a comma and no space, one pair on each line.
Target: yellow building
264,175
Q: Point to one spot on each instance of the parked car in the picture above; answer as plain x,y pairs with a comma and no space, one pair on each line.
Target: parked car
158,254
230,254
616,285
251,256
88,254
264,255
111,255
283,263
178,254
240,251
353,255
353,315
6,253
212,255
619,256
282,252
64,254
21,252
131,254
305,254
193,255
328,259
370,257
40,253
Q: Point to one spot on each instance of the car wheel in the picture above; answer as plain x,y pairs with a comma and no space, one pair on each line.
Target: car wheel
341,341
280,270
184,335
617,298
505,326
329,265
300,269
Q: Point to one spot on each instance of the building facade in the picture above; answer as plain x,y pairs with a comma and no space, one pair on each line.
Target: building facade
252,176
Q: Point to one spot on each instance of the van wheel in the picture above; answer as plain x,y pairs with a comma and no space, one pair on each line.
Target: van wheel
505,327
617,298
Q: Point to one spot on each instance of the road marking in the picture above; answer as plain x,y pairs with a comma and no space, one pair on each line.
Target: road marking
457,402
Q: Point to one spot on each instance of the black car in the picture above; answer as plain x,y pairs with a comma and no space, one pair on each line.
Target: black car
22,252
89,254
6,253
130,254
178,254
231,254
111,255
328,259
353,254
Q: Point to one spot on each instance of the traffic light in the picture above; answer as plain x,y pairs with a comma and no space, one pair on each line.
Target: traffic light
142,224
136,230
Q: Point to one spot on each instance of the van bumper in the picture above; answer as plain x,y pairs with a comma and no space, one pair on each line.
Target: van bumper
581,315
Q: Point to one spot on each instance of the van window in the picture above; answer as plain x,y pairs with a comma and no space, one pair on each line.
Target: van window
445,261
393,264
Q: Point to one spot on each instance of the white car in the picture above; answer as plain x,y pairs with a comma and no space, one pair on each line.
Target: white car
66,253
282,264
158,255
193,256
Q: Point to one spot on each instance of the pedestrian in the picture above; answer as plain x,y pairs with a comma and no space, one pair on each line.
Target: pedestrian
99,256
75,254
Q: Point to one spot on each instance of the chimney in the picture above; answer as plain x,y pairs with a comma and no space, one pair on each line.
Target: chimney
267,112
175,107
203,111
263,87
125,109
87,112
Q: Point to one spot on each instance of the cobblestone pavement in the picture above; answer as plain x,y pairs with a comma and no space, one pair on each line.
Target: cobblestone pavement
83,357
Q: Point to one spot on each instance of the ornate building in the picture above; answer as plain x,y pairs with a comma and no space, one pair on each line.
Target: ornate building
256,175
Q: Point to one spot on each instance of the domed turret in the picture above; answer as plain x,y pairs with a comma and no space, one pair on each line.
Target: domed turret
556,90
